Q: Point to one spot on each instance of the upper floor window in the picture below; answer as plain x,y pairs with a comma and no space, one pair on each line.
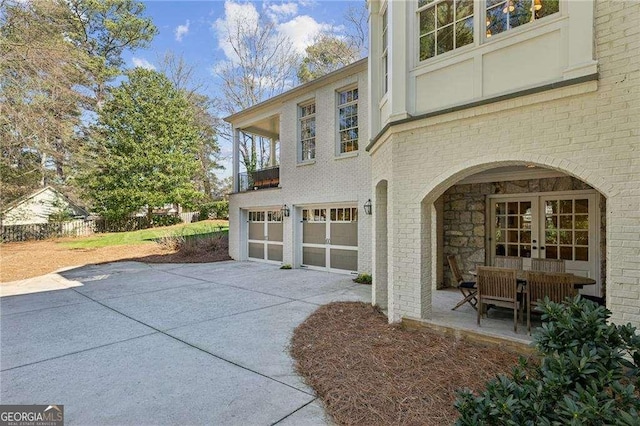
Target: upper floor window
503,15
308,131
385,52
445,25
348,120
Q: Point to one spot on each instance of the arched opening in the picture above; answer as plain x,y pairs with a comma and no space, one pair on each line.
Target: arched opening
380,273
515,209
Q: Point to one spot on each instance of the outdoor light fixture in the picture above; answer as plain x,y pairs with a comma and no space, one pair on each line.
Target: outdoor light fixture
285,211
367,206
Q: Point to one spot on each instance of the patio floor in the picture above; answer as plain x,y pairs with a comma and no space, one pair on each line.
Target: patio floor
498,324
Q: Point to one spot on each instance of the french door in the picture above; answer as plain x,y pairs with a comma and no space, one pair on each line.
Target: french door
265,235
562,225
330,238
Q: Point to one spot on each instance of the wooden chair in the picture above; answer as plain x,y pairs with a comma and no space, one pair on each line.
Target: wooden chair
467,288
498,287
556,286
547,265
511,262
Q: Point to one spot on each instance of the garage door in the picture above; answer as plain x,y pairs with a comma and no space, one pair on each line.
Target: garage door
265,235
330,238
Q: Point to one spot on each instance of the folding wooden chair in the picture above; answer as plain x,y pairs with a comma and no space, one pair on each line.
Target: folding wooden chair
547,265
556,286
498,287
467,288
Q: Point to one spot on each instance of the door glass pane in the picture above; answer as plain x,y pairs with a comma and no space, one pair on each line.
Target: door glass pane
581,238
551,252
344,234
582,221
314,233
256,231
256,250
344,259
314,256
566,237
566,206
582,206
512,250
582,253
501,208
566,253
275,231
566,222
274,252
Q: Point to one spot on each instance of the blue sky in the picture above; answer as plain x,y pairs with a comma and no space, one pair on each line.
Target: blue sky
189,28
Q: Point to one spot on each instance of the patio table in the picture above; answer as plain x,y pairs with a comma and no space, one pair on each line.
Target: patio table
521,276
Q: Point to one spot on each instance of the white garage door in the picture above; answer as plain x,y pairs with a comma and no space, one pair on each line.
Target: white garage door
265,235
330,238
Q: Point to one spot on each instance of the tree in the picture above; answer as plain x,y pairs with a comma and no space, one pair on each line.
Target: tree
146,151
182,76
327,54
39,104
104,29
262,65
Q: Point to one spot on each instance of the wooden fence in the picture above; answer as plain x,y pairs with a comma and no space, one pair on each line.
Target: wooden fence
42,231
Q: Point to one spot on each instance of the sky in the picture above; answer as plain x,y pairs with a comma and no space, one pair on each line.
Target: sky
190,29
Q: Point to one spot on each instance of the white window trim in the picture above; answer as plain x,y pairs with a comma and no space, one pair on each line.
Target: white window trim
480,29
299,108
339,153
384,50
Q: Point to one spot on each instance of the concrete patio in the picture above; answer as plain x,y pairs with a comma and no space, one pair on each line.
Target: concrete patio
133,343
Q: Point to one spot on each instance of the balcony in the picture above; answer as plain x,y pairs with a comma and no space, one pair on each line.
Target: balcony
259,179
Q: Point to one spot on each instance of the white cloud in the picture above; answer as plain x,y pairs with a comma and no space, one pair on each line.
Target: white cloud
181,31
142,63
282,10
236,16
302,30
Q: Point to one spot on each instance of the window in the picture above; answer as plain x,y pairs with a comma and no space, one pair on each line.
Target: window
348,120
444,25
308,132
503,15
385,55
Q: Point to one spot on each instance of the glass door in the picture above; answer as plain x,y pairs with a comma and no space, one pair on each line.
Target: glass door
514,228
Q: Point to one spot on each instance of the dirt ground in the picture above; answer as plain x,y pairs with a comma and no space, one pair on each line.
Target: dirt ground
31,259
368,372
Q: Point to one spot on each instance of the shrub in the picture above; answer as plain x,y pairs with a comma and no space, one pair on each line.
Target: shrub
363,279
587,374
286,266
165,220
214,210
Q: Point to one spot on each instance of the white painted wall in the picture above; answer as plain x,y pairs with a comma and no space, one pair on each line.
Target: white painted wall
587,130
38,208
329,179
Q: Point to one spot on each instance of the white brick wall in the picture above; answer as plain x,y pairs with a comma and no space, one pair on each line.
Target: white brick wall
590,131
330,179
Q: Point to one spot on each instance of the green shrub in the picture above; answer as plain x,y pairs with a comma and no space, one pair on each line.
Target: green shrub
165,220
214,210
363,279
587,374
286,266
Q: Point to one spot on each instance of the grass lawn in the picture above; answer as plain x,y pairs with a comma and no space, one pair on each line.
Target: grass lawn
147,235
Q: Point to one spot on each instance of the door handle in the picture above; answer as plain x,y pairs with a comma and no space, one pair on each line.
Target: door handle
534,248
541,248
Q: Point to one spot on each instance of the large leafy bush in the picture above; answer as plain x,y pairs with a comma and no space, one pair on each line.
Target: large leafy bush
586,374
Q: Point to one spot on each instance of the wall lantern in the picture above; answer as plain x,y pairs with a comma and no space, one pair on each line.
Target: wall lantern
285,211
367,206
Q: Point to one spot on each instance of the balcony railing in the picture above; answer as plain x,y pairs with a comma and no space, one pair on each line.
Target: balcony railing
259,179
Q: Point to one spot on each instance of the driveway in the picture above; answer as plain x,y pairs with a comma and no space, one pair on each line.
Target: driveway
132,343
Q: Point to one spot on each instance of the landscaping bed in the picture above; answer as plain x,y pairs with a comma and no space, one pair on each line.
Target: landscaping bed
177,244
367,371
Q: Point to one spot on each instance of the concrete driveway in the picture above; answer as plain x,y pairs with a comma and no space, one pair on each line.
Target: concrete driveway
132,343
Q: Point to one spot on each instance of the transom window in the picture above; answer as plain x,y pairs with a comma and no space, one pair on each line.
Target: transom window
503,15
445,25
348,120
308,132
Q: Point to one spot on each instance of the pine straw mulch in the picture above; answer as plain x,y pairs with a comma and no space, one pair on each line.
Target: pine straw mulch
368,372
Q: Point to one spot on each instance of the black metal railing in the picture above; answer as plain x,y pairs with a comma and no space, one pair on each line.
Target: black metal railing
259,179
